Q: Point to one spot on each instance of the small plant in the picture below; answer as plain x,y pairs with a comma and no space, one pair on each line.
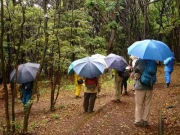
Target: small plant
62,106
69,87
55,116
32,126
18,126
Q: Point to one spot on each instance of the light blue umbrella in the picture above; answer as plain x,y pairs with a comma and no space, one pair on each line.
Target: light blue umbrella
116,62
100,57
88,67
150,49
26,72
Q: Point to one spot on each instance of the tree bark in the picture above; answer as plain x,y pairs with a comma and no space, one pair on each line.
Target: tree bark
3,70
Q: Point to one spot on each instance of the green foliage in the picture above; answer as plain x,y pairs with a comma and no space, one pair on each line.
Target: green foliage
110,6
69,87
62,106
113,25
55,116
32,126
91,3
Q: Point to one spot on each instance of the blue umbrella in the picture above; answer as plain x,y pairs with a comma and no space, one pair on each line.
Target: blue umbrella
116,62
150,49
88,67
26,72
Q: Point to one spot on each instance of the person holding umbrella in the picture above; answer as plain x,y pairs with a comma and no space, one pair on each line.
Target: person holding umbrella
92,86
90,69
117,63
117,86
143,92
25,76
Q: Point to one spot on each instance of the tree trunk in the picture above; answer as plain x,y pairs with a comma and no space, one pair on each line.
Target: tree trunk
3,70
26,116
109,44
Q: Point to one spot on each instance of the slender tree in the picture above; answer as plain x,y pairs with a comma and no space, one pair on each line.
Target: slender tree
4,76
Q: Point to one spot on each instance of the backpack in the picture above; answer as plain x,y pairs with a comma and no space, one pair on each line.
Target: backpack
124,74
80,81
91,82
120,73
148,77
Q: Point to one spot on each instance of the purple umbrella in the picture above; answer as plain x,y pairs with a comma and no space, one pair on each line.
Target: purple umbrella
116,62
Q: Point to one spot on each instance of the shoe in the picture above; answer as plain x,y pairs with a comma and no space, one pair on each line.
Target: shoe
125,93
138,124
90,111
145,123
85,112
77,97
167,85
116,101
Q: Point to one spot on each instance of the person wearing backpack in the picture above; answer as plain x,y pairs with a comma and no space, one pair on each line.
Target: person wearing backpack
92,86
168,68
143,92
117,86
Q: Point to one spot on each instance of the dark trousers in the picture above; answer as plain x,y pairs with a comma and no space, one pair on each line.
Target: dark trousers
89,101
124,82
26,95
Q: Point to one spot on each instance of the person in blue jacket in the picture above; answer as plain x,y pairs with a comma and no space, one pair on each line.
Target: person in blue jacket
168,68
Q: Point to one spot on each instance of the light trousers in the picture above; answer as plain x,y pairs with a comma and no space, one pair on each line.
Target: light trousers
117,87
142,104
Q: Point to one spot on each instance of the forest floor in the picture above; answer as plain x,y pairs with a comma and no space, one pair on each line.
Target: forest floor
109,118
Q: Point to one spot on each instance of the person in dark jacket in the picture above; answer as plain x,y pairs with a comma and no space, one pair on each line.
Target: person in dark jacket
168,68
143,96
125,76
26,91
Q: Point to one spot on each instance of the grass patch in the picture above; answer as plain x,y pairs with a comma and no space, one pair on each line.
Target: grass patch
55,116
69,87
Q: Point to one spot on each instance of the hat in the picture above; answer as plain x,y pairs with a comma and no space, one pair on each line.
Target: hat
133,57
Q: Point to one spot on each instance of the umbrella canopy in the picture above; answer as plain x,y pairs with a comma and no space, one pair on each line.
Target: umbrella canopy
116,62
88,67
150,49
26,72
100,57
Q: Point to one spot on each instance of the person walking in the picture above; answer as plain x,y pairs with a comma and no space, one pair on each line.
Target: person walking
125,76
117,86
78,81
26,91
168,68
92,86
143,95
